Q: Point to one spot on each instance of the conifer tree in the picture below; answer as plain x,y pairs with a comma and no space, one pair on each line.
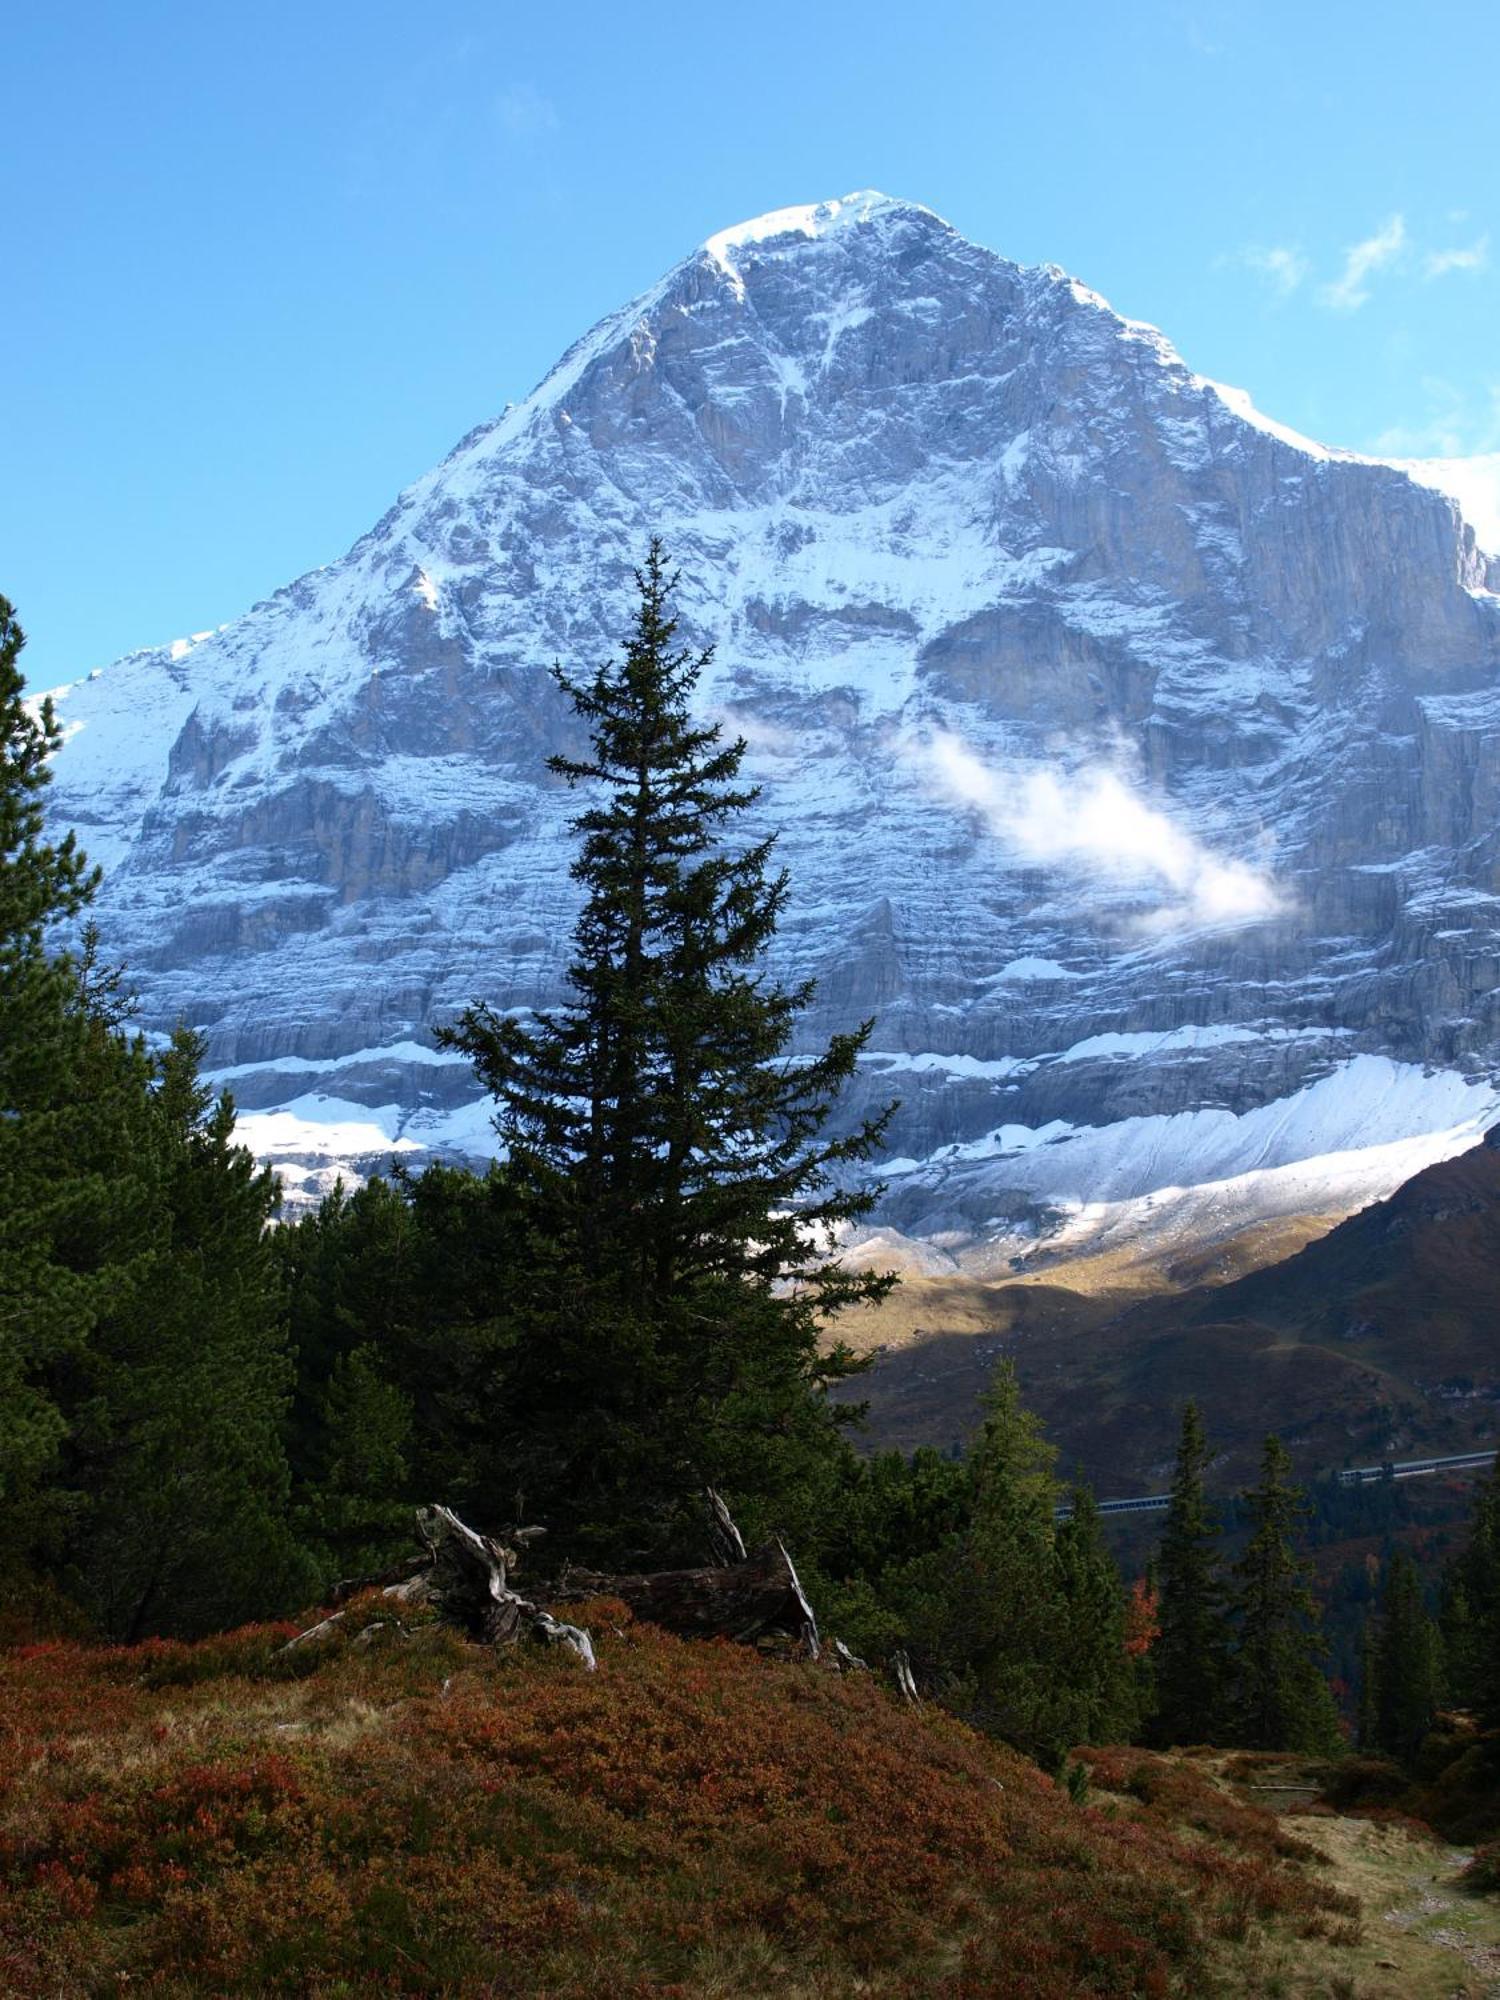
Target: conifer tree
41,881
142,1363
1406,1663
668,1147
1471,1610
1283,1700
1001,1623
175,1467
44,1308
1092,1659
1191,1655
401,1298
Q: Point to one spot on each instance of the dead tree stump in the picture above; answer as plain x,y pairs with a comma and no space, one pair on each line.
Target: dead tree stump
743,1601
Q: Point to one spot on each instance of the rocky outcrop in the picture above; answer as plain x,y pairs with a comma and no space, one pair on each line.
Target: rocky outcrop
1089,705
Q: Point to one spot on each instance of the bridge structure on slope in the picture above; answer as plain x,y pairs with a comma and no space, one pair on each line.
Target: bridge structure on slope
1350,1475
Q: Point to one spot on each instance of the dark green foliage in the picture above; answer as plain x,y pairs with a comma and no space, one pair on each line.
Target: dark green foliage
1471,1610
1403,1662
401,1297
1191,1656
356,1508
890,1520
143,1376
1019,1617
174,1461
1016,1616
1097,1670
162,1506
891,1510
983,1611
667,1150
1282,1697
44,1310
41,881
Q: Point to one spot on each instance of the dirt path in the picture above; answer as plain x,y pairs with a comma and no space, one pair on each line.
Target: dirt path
1424,1937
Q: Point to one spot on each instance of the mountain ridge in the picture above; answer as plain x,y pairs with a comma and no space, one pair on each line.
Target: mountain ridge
1372,1342
963,536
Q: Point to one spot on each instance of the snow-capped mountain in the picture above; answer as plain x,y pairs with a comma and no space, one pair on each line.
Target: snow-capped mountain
1138,762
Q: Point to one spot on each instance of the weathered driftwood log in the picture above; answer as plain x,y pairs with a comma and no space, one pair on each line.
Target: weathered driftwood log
466,1577
469,1582
410,1579
321,1630
743,1600
728,1544
391,1580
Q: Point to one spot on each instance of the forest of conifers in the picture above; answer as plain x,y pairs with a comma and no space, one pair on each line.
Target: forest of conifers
209,1414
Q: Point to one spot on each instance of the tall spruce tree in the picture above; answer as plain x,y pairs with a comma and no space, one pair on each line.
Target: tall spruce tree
174,1471
1282,1697
985,1613
1094,1665
1191,1654
1406,1662
669,1149
1471,1610
142,1358
45,1308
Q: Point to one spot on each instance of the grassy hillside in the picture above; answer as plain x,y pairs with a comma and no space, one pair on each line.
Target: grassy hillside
416,1815
1375,1341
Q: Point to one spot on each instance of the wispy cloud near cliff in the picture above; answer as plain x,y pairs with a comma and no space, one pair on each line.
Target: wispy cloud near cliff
1091,819
1351,289
1473,256
1282,267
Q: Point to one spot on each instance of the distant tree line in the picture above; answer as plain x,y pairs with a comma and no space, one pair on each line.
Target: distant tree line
1241,1657
206,1418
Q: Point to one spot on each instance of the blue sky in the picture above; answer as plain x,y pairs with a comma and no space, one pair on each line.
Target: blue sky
263,266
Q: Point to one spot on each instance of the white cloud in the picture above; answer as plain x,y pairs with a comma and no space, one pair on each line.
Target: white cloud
1092,820
525,113
1456,423
1439,263
769,739
1282,267
1350,289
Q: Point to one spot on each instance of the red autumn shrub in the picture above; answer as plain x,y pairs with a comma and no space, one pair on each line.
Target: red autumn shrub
416,1815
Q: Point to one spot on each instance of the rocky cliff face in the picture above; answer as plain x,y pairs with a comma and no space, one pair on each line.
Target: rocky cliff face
1138,763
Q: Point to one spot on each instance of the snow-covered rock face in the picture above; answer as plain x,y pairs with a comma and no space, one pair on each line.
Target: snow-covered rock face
1138,763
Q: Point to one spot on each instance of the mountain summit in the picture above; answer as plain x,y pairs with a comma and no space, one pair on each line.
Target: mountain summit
1137,761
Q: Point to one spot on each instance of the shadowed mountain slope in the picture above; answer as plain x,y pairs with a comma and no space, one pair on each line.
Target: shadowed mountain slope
1380,1340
